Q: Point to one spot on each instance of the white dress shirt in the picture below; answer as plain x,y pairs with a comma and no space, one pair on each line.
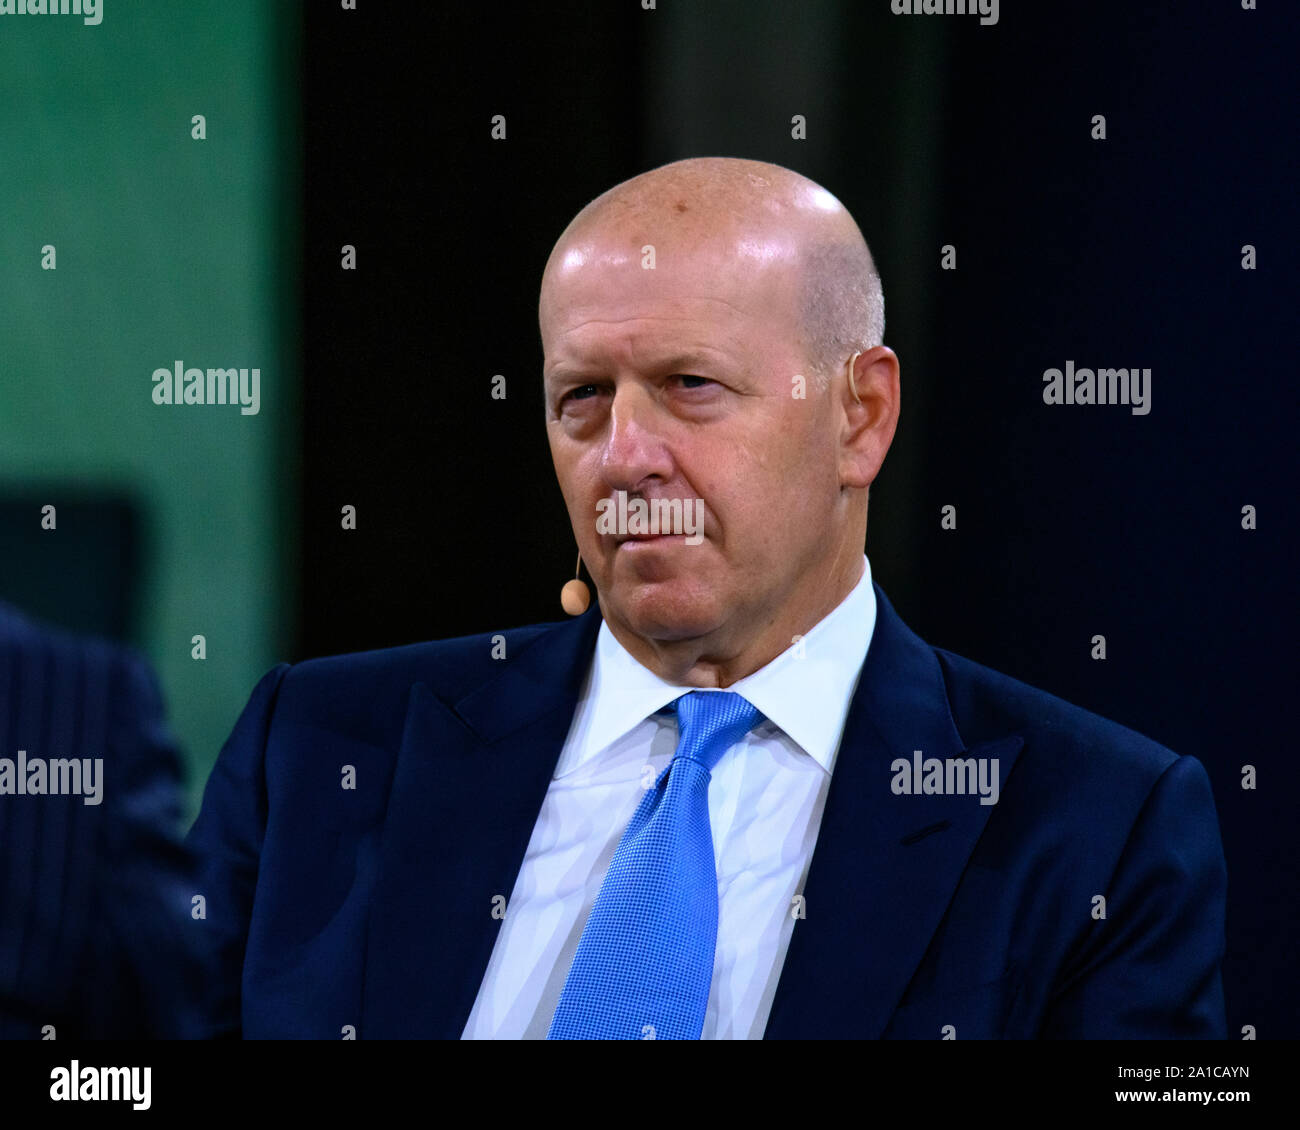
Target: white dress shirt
765,807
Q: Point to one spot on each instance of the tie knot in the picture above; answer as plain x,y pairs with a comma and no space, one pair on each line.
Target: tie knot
711,722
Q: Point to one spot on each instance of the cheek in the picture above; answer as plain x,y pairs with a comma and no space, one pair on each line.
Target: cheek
582,486
775,455
781,489
576,472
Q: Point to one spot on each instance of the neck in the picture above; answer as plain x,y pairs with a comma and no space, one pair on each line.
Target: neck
725,656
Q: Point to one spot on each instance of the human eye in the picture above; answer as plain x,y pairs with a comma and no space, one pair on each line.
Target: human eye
577,397
691,380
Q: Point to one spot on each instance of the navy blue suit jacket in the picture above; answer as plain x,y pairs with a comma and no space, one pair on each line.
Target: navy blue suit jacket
368,910
95,934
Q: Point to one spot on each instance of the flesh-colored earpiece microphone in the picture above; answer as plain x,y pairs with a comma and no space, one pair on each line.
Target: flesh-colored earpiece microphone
853,385
575,596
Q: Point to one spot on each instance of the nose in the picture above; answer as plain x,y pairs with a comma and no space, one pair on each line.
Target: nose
634,448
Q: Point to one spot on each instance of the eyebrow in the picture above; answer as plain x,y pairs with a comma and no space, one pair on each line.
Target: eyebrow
682,362
691,359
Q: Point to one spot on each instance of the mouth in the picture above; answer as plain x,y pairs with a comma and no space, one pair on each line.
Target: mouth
642,522
627,539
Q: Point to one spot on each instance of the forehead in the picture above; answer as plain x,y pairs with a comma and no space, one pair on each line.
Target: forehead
600,294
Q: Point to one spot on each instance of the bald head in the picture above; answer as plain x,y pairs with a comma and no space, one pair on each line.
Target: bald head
752,216
686,316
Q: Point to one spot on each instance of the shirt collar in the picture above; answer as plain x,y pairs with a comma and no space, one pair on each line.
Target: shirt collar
805,690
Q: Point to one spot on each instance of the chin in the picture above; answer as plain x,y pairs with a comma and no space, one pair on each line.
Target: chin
666,610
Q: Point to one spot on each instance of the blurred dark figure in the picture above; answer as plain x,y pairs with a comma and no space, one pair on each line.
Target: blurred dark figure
96,939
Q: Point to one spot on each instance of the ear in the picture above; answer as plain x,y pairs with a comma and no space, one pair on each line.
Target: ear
869,419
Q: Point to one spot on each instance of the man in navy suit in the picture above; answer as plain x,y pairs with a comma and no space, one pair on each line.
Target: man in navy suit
500,836
95,884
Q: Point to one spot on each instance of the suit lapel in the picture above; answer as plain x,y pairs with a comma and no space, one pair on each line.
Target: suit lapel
885,866
467,787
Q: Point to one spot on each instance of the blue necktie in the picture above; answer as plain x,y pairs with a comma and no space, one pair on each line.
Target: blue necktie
644,963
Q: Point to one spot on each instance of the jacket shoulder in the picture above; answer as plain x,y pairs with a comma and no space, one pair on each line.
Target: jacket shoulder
370,689
987,704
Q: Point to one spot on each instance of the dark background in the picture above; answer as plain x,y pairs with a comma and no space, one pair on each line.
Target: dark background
932,130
